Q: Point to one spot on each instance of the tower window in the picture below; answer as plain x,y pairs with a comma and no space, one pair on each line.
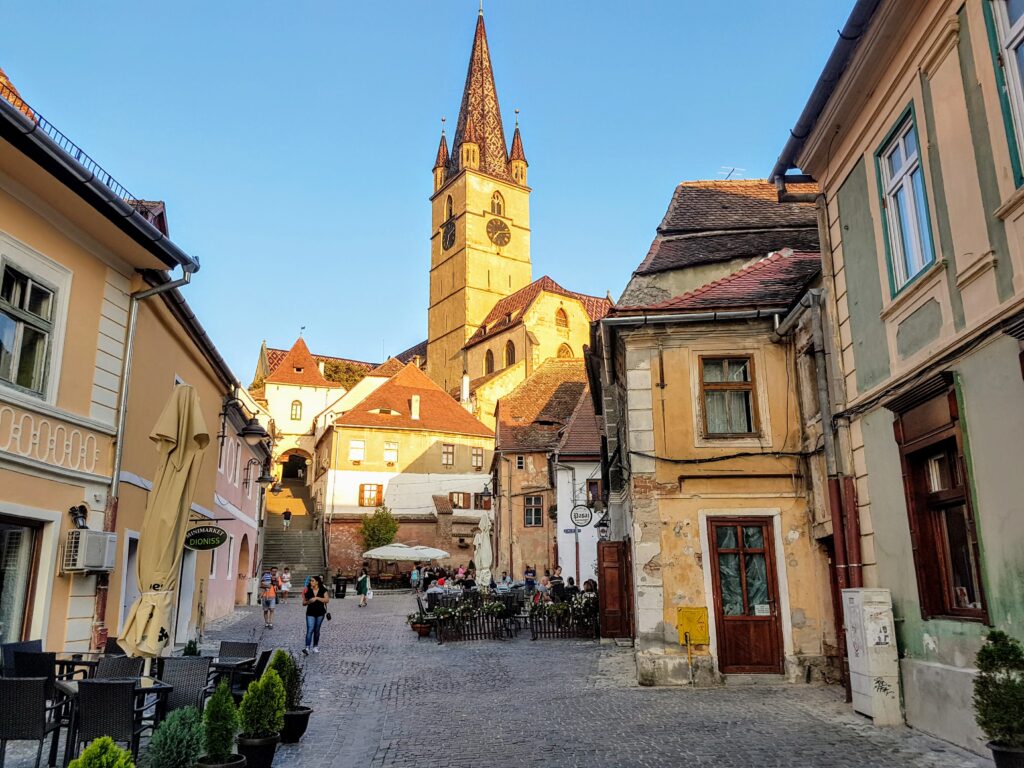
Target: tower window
497,204
449,208
565,351
561,319
296,410
510,354
489,362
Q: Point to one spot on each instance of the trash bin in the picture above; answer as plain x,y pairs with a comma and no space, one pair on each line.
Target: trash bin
340,587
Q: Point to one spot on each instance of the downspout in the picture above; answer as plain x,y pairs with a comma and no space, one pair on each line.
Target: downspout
99,627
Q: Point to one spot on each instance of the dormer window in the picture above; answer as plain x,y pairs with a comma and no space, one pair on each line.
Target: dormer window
297,370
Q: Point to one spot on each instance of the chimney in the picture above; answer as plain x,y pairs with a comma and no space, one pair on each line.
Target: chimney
415,407
320,365
465,389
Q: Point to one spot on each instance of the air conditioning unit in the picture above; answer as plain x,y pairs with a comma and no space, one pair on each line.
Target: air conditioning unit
86,550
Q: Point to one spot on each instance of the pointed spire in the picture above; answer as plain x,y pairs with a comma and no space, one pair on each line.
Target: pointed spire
517,144
480,112
442,150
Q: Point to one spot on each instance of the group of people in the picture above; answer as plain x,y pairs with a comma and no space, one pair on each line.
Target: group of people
551,587
436,577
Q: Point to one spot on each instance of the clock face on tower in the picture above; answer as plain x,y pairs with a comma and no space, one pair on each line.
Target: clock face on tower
448,235
498,232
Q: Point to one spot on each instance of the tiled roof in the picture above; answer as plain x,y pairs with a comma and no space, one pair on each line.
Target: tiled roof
509,310
438,411
388,368
532,416
776,281
701,206
442,152
583,435
417,350
11,94
517,152
298,366
476,383
682,251
443,504
275,356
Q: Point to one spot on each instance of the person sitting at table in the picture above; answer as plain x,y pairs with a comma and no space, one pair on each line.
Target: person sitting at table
543,593
530,577
571,589
590,586
506,580
461,572
469,582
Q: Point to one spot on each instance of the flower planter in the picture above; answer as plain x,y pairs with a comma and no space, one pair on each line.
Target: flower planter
258,753
295,724
1007,757
236,761
423,630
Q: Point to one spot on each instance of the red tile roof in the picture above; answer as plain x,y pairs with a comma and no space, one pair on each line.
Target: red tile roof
442,152
443,504
517,152
509,310
531,417
299,367
776,281
417,350
388,368
438,411
583,435
10,92
275,356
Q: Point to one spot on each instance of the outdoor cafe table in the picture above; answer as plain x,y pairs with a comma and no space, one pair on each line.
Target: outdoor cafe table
68,661
143,686
225,666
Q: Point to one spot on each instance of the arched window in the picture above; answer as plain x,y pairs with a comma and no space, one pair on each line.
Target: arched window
296,410
561,319
510,354
489,362
497,204
565,351
449,208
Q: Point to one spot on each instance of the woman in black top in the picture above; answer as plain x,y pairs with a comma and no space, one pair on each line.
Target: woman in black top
315,598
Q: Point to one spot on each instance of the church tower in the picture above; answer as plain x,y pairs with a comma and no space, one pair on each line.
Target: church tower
480,219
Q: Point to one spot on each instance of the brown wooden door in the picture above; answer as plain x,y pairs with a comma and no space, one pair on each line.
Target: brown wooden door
745,595
611,589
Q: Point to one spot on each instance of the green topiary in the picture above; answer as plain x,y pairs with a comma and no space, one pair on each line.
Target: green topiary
191,648
999,690
220,725
292,678
262,710
177,742
378,529
103,753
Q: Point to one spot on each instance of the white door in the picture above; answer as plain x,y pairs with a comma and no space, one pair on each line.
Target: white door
186,592
131,578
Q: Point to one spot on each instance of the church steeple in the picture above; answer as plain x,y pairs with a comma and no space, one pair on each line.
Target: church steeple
441,163
517,157
481,113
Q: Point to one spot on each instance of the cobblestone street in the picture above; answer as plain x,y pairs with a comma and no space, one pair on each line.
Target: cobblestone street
384,698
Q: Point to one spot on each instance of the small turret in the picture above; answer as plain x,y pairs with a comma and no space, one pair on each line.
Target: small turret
441,163
517,158
469,150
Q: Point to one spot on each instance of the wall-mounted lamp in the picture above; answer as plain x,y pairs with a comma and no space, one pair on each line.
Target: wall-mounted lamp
276,489
253,432
78,515
264,478
602,527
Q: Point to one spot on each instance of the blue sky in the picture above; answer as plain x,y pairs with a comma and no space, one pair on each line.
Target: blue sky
293,141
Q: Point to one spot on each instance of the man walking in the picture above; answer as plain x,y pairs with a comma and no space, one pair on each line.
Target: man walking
271,583
287,518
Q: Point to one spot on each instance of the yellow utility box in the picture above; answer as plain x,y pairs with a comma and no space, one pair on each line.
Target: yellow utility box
695,622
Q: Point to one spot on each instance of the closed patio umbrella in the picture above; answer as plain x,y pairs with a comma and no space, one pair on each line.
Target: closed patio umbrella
181,438
483,557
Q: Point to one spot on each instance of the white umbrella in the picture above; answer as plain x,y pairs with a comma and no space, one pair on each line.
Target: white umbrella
483,557
405,553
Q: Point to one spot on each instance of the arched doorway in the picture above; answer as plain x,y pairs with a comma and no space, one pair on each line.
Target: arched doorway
294,466
242,572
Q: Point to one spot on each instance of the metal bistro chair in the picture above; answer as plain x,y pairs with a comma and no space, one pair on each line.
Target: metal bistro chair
119,668
28,717
241,678
190,676
8,650
108,708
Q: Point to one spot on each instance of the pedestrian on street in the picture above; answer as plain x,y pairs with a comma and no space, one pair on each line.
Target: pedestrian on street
315,597
414,577
287,519
363,586
286,583
268,598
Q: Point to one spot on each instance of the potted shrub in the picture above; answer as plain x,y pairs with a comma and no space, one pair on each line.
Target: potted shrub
262,718
103,753
220,724
999,698
191,648
293,676
419,622
178,740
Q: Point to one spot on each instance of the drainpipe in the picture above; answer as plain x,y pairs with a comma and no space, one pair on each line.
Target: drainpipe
99,628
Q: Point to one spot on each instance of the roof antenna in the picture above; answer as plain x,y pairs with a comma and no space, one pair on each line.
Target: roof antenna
727,171
301,329
517,108
442,125
481,7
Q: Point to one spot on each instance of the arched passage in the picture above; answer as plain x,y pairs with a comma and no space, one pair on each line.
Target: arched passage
242,571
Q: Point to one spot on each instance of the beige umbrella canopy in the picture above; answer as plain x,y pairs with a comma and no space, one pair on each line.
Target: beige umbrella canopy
483,557
181,438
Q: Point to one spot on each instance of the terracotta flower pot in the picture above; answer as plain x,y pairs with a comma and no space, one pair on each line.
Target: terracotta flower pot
295,724
235,761
423,630
259,753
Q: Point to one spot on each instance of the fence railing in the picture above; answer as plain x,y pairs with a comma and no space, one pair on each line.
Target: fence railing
549,626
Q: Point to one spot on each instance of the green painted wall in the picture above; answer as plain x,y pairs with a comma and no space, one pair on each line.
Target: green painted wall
863,280
921,327
980,138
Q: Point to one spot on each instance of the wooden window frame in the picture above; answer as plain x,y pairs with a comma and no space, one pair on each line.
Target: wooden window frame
447,454
591,498
378,498
720,386
520,461
527,507
296,412
460,499
477,455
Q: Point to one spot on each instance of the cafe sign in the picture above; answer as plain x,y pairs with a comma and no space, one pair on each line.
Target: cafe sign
205,537
581,516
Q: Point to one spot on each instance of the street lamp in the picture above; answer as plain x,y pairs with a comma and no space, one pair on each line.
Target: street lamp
602,527
253,432
264,478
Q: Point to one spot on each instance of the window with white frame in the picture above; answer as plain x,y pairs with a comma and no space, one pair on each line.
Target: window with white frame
26,326
533,512
478,458
447,455
1009,18
296,412
906,206
356,450
231,556
390,452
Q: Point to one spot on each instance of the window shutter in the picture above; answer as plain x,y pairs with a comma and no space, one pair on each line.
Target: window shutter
380,494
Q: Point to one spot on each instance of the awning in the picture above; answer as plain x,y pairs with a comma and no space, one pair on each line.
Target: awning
405,553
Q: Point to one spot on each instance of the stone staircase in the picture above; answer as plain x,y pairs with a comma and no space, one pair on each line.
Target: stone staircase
301,546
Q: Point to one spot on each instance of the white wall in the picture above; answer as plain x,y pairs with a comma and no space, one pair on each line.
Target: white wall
313,399
404,492
588,538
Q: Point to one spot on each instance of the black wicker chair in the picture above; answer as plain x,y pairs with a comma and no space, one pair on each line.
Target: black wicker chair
8,650
190,676
29,717
37,664
119,668
231,649
111,648
108,708
241,678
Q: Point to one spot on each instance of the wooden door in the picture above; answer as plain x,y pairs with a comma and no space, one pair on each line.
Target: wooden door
611,589
746,592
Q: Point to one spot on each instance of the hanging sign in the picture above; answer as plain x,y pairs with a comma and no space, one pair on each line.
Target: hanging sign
581,516
205,537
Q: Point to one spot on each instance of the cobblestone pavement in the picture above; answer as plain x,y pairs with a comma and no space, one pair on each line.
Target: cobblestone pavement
384,699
